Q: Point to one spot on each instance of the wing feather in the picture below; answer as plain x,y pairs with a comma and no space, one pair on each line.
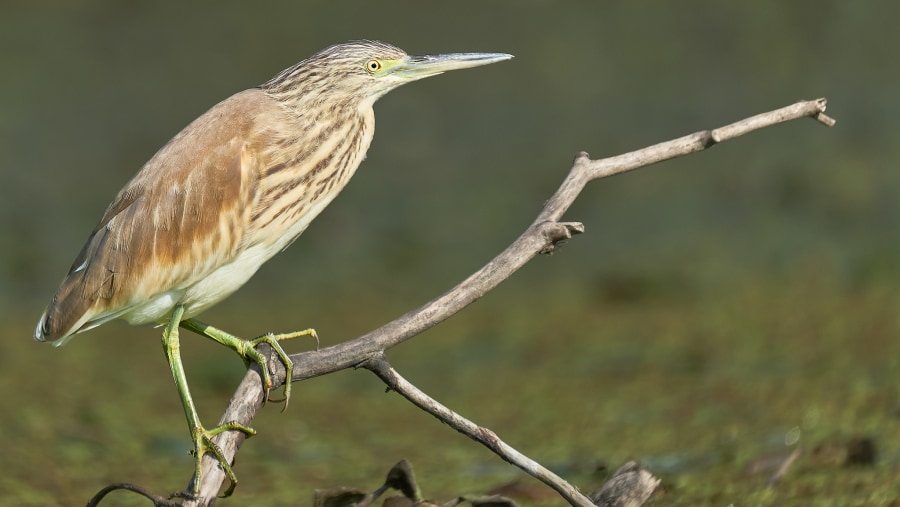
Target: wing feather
180,218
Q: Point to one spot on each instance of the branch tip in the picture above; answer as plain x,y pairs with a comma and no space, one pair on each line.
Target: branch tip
824,119
820,116
573,228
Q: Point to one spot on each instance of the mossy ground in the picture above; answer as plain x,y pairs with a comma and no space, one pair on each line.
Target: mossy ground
703,389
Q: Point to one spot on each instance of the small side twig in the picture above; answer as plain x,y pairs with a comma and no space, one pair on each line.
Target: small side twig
382,368
158,501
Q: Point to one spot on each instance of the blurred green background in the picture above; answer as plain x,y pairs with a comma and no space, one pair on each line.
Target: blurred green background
720,309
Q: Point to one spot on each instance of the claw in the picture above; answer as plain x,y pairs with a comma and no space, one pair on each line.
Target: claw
247,350
272,340
203,439
203,443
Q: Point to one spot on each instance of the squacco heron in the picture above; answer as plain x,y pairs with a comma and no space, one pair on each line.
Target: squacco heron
235,187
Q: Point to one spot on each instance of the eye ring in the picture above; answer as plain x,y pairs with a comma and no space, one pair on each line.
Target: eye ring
373,66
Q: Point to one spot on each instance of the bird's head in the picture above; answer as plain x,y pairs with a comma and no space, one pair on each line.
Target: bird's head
365,70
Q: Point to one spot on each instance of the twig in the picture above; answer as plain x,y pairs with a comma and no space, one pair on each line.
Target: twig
540,237
380,366
158,501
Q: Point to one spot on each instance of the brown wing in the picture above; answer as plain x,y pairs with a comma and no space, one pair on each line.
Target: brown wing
181,217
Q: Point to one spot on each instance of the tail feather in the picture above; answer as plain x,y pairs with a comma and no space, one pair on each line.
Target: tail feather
74,306
42,331
67,314
52,327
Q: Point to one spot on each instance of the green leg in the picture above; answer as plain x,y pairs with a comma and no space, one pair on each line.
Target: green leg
247,350
202,438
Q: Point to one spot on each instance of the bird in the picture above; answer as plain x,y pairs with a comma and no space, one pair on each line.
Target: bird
235,187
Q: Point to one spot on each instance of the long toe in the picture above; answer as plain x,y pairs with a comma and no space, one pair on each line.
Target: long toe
203,443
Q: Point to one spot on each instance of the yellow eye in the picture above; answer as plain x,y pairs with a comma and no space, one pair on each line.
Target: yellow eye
373,66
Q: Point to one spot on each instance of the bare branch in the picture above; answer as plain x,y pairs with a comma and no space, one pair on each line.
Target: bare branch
380,366
540,237
158,501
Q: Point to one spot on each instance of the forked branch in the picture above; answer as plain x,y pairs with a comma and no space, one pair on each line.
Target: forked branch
540,237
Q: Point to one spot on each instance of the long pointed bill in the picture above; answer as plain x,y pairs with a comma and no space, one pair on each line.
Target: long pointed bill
417,67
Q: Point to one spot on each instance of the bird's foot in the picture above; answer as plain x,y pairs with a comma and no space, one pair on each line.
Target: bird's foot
247,350
272,340
203,443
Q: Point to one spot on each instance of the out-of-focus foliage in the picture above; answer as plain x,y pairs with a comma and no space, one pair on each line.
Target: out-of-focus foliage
715,300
